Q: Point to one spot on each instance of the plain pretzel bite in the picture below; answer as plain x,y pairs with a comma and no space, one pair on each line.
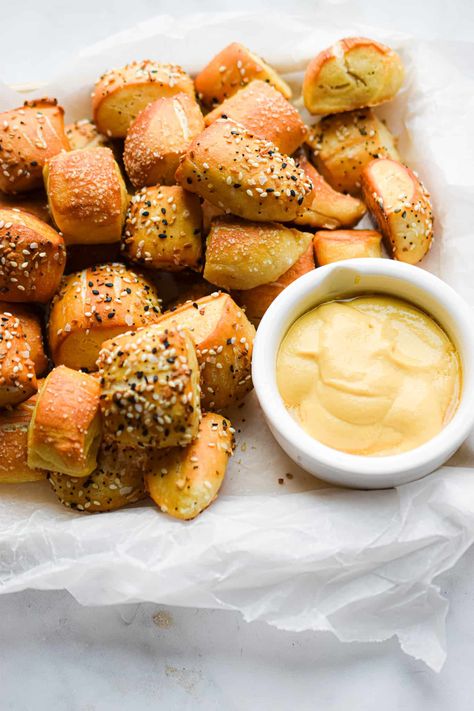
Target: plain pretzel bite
94,305
346,244
159,137
266,113
120,94
86,195
116,482
150,388
29,136
257,300
14,422
354,73
401,206
343,144
242,174
65,429
163,229
223,337
329,208
243,255
185,481
232,68
32,258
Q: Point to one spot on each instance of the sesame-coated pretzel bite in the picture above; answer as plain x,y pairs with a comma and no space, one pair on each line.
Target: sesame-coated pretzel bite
158,138
86,195
65,428
223,337
343,144
261,109
257,300
163,229
150,388
231,69
14,423
32,257
30,322
346,244
29,136
243,174
120,94
242,255
83,134
186,480
17,370
401,206
95,305
116,481
354,73
329,208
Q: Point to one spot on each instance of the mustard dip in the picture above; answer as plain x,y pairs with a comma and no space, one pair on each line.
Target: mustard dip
370,376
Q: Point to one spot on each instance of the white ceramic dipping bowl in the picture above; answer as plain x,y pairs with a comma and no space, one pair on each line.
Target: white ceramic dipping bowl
342,280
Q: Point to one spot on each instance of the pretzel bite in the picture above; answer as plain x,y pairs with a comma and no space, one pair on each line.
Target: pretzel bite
120,94
328,209
95,305
263,111
163,229
86,196
223,337
116,482
346,244
30,322
65,428
257,300
353,73
14,423
234,67
36,203
32,257
150,388
186,480
344,144
83,256
242,255
158,138
84,134
400,205
243,174
17,370
29,136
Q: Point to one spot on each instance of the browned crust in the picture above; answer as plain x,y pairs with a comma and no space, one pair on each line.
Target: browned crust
31,324
265,113
32,258
14,423
17,371
232,68
29,136
158,138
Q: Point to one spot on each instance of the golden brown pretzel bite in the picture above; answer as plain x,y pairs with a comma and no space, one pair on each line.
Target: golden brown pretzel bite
346,244
29,136
30,322
265,113
158,138
32,257
185,481
95,305
354,73
234,67
150,388
343,144
14,423
17,370
243,174
163,229
120,94
65,428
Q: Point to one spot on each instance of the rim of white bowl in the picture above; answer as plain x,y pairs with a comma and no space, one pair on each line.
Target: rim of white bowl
274,326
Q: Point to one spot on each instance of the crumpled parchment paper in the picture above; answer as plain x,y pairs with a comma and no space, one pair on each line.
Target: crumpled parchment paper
279,545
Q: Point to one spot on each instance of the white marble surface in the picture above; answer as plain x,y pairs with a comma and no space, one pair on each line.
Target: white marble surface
56,655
